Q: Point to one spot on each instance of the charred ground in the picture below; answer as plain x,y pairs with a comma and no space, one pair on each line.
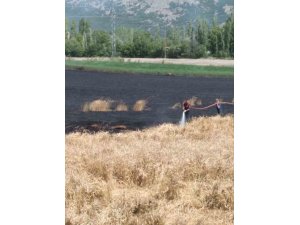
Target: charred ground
161,93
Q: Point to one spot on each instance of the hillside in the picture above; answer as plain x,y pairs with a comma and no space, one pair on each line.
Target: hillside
147,14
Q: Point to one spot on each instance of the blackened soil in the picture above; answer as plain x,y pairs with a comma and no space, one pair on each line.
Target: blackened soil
161,91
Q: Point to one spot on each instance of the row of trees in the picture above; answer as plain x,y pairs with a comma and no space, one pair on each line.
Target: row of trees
190,41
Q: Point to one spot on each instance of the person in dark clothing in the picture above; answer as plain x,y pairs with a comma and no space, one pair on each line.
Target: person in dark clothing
219,106
186,109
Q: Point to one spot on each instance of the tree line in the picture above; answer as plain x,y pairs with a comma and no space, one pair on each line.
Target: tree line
190,41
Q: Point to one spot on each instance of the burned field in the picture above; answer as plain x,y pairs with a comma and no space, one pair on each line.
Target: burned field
115,102
164,174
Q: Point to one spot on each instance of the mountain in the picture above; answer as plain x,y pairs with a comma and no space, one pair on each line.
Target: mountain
147,14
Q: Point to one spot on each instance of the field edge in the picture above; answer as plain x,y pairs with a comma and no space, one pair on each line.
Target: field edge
150,68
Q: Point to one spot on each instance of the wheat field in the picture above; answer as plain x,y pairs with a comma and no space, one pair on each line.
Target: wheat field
165,175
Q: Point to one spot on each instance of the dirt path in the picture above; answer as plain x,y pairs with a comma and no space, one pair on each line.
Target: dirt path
198,62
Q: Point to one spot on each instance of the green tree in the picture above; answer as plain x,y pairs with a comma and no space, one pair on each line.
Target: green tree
126,49
157,49
73,31
202,38
142,43
185,48
189,41
84,26
229,40
74,48
216,42
67,32
101,44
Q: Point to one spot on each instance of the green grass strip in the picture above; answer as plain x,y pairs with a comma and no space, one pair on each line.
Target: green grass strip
150,68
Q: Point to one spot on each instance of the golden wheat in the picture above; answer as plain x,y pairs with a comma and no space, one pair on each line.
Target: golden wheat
166,175
99,105
140,105
121,107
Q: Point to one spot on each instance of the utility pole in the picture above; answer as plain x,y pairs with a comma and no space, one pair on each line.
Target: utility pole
113,29
165,41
